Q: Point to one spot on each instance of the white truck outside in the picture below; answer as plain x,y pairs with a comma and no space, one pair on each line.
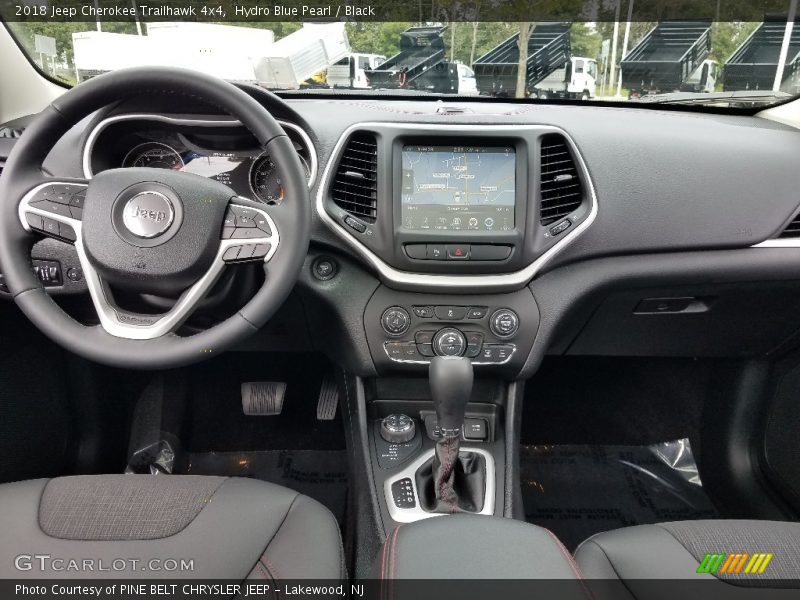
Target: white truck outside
350,71
300,55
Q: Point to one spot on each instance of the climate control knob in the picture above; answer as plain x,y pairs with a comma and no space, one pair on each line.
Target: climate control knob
449,342
395,320
504,323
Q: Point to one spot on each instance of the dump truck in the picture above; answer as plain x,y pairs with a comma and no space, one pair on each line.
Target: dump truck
753,65
421,49
552,71
672,57
291,61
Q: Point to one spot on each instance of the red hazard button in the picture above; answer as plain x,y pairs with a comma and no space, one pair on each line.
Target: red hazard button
458,251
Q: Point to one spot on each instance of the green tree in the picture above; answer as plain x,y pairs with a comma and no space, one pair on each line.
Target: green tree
585,40
376,38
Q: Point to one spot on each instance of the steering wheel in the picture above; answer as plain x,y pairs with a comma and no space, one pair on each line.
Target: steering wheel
150,230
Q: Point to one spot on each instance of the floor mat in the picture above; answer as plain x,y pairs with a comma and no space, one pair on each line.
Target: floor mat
218,424
322,475
579,490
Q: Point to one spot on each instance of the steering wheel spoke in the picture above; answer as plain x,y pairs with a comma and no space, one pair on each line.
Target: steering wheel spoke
251,236
54,209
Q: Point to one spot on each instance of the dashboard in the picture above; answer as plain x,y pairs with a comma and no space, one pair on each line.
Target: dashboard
218,149
500,231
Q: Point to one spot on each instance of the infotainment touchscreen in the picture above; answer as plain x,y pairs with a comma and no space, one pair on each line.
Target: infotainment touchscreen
458,188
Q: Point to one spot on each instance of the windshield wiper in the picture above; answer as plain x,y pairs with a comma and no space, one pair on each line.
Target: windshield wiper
746,98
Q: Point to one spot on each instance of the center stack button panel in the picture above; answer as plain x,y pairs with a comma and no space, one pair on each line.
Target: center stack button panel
406,330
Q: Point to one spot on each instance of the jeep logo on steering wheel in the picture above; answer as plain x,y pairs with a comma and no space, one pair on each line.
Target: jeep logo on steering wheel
148,214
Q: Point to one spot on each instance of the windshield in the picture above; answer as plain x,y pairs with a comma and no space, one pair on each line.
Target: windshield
619,56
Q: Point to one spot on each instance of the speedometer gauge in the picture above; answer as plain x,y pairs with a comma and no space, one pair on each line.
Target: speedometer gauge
265,181
154,155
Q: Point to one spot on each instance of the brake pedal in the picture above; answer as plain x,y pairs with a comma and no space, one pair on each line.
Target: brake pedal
263,398
328,399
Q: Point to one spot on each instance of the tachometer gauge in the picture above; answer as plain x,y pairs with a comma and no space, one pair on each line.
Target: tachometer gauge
265,181
154,155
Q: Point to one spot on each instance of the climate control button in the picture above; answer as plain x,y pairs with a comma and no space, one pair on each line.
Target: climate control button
449,342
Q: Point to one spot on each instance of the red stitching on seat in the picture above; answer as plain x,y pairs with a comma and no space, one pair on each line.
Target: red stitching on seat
393,556
571,562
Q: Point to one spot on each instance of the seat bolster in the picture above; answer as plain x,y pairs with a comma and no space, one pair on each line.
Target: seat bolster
303,547
640,552
224,541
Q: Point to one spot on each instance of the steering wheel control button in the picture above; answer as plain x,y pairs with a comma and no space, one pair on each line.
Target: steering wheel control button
323,268
449,342
78,199
458,251
247,233
231,254
504,323
34,220
66,232
450,313
52,207
262,224
395,320
148,214
50,226
355,224
398,429
477,312
245,217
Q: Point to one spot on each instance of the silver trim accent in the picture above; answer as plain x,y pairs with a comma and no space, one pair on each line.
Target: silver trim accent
434,281
92,138
427,361
410,515
102,298
779,243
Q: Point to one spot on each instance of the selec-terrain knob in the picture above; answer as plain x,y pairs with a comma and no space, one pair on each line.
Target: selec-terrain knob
398,429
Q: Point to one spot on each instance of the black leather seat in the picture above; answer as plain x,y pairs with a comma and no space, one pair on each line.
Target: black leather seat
638,556
146,525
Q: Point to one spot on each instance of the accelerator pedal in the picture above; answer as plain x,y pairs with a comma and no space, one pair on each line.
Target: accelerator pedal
328,399
263,398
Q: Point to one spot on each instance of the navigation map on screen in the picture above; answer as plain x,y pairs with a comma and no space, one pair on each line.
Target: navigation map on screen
458,188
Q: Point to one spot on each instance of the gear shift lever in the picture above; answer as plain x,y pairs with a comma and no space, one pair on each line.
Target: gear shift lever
451,386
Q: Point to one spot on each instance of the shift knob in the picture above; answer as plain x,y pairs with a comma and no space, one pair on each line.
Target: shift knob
451,386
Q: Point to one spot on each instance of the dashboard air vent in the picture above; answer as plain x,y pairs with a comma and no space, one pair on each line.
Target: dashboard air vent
355,185
792,229
9,132
561,187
